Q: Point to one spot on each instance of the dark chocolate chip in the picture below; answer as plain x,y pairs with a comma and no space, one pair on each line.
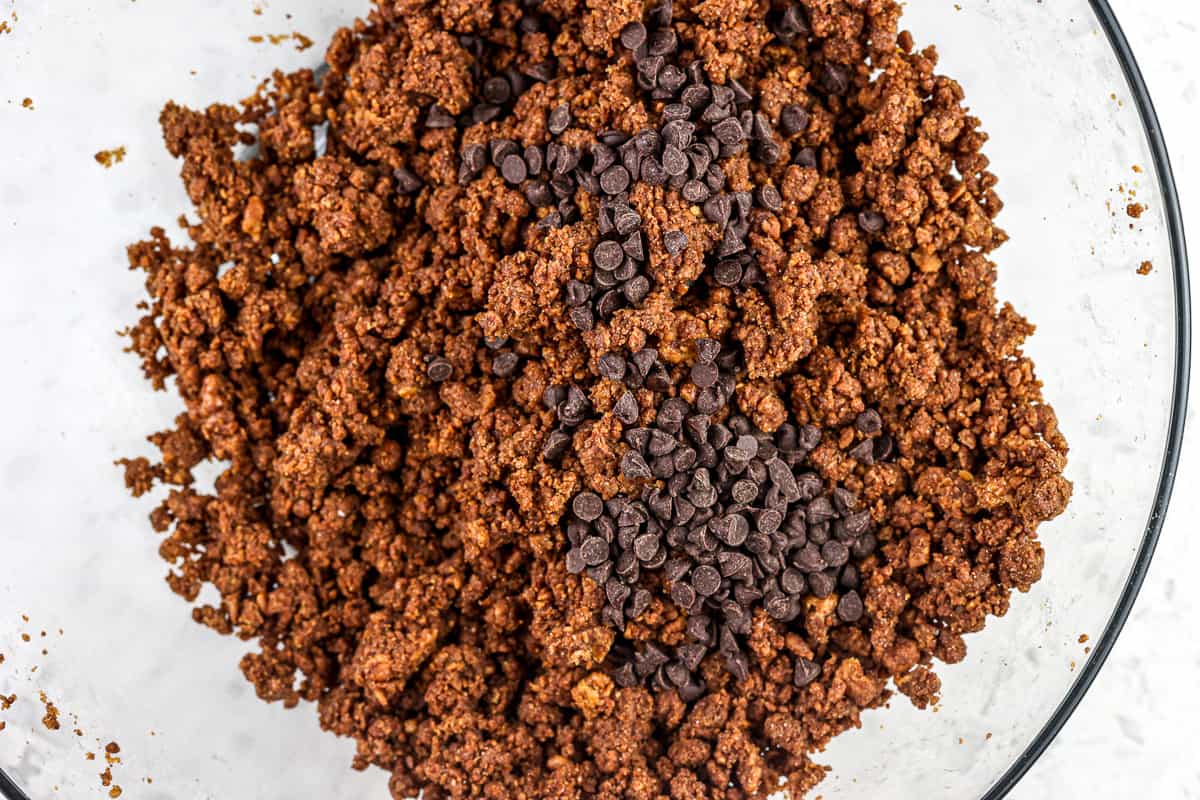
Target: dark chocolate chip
439,370
514,169
496,90
683,595
835,553
768,197
636,289
652,172
407,181
822,584
671,80
614,180
805,673
633,465
587,506
869,422
717,209
835,79
694,191
539,194
438,117
626,409
871,221
608,255
675,242
729,132
559,119
556,445
484,112
806,157
626,220
850,607
633,35
863,452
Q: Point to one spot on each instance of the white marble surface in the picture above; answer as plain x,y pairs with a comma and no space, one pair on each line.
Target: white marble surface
1125,741
1135,734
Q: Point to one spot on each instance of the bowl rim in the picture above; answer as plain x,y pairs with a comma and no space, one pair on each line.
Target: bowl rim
1174,445
1175,428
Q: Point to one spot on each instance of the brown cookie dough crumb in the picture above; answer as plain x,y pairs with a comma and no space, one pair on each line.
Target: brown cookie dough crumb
1145,268
110,158
1135,210
50,718
27,102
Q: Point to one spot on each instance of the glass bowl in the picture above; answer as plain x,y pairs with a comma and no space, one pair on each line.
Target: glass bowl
1074,141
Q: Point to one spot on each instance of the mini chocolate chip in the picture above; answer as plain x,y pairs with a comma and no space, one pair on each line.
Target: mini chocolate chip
663,42
733,529
805,673
864,545
626,220
497,90
505,364
674,162
683,595
626,409
695,96
679,132
474,157
632,245
594,551
652,172
806,157
539,194
717,209
729,132
633,35
611,366
835,79
587,506
439,370
675,242
835,553
822,584
660,15
484,112
577,292
731,244
633,465
871,221
869,422
438,117
863,452
844,499
575,561
850,607
858,522
645,546
704,375
768,197
559,119
407,181
671,80
639,603
849,578
514,169
635,289
607,255
793,582
794,119
706,580
553,395
649,67
626,271
568,159
694,192
609,302
672,112
614,180
808,560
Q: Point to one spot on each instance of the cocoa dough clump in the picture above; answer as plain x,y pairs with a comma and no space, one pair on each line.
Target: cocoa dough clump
611,399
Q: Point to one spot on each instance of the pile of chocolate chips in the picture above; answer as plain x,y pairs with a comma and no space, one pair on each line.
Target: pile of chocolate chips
729,515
